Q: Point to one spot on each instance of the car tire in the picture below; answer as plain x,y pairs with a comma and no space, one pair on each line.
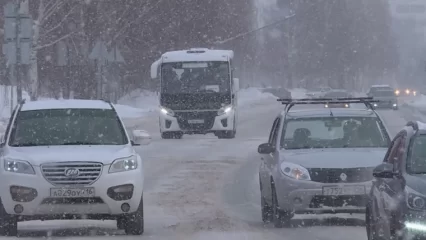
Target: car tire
280,218
134,222
266,210
226,134
121,223
8,223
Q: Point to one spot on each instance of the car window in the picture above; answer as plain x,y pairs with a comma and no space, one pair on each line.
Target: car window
333,132
393,152
276,131
271,134
416,159
67,127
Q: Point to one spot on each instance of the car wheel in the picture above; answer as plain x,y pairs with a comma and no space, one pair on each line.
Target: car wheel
225,134
280,218
121,223
8,223
134,222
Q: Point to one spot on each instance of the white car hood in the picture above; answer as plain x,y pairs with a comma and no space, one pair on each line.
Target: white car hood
334,158
47,154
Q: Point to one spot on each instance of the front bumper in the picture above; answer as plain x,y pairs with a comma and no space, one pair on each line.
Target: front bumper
308,197
211,122
43,206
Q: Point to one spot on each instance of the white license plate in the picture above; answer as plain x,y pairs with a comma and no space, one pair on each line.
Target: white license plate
72,192
192,121
343,190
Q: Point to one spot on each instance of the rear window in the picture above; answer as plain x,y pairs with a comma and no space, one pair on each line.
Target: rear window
384,93
334,132
67,127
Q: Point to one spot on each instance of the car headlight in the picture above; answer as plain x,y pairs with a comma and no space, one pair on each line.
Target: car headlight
124,164
18,166
326,105
346,105
167,111
407,91
397,92
224,110
415,201
295,171
414,93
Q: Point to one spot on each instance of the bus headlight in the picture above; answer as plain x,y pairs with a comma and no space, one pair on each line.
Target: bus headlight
167,111
224,110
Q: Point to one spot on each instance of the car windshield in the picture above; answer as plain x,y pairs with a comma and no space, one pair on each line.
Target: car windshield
67,127
334,132
193,77
416,160
384,93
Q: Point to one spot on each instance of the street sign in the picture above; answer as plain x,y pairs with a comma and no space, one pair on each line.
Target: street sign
114,56
99,52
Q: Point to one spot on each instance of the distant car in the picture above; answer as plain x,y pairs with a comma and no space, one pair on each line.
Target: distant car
70,159
386,99
408,92
334,94
396,207
318,92
319,162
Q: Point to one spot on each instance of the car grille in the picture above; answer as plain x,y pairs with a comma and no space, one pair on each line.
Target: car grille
333,175
207,116
86,174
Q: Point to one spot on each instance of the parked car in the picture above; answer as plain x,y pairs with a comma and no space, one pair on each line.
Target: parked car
396,207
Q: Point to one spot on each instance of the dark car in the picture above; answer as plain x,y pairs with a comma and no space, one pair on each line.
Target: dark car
396,208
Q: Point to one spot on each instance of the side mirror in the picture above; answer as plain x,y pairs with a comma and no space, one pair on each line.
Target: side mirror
141,137
384,170
265,148
154,69
236,83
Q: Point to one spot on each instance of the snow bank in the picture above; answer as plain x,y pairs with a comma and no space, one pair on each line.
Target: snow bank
250,95
418,103
141,99
298,93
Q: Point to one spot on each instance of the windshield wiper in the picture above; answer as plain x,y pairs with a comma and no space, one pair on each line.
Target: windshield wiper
28,144
81,143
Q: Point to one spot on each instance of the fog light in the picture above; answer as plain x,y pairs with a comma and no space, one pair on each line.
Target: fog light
121,192
22,194
18,208
125,207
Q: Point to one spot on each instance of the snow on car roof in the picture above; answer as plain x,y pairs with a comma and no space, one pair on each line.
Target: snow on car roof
65,104
325,112
197,55
381,85
421,125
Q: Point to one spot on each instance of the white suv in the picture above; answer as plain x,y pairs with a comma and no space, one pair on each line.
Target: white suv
68,159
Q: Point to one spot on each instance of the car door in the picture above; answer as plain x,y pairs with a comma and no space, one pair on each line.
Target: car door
264,170
380,184
394,187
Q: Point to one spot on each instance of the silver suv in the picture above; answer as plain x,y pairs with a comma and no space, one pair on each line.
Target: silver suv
320,160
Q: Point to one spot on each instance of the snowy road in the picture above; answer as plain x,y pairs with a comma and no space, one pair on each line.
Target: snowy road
200,187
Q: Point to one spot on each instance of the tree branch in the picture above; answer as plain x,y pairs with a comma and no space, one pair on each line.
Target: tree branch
62,21
53,9
56,41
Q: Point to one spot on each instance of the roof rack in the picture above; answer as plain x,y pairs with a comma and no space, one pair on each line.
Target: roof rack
292,102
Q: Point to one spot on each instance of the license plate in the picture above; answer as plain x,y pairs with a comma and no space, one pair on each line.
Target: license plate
72,192
196,121
344,190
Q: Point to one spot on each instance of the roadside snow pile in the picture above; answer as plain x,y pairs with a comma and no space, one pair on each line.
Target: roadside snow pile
419,103
250,95
141,99
298,93
125,111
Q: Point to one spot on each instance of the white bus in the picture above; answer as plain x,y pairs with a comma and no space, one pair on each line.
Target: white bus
198,93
